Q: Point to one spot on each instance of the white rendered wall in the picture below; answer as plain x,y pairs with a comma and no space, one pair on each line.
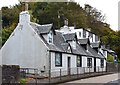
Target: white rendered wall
87,34
77,32
24,49
93,37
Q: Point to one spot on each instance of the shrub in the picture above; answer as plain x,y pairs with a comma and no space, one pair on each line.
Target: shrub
22,81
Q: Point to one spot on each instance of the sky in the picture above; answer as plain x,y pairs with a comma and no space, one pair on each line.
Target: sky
109,8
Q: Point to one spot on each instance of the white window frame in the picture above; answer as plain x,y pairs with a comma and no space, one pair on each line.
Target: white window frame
50,37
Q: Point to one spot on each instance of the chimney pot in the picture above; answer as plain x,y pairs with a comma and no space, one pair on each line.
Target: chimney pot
66,22
23,6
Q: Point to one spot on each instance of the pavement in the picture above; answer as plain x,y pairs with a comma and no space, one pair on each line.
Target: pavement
112,79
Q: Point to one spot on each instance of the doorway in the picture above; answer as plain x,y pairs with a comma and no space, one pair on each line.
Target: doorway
69,65
95,65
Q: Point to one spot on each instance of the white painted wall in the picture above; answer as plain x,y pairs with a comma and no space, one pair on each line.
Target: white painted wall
87,34
93,37
25,48
77,32
98,64
65,29
84,61
64,61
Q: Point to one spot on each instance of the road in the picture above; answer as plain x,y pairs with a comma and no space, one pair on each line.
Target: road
99,80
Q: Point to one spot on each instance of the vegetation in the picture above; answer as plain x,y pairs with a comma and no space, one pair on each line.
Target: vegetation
42,13
22,81
110,58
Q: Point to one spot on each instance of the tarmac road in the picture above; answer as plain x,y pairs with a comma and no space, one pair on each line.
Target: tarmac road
112,79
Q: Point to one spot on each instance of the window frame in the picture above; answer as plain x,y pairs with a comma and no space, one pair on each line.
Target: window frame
60,55
102,63
74,44
80,59
89,62
50,37
80,34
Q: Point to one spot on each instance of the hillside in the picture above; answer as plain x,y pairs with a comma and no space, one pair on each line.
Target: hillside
55,13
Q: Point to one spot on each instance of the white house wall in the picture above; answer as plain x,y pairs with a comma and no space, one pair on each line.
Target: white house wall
94,37
77,32
87,34
98,65
24,49
55,71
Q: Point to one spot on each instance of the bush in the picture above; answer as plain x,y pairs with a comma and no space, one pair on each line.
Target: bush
22,81
110,58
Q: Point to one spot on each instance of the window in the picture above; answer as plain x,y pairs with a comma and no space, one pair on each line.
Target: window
84,34
89,62
104,53
58,59
79,34
102,63
79,61
74,45
50,37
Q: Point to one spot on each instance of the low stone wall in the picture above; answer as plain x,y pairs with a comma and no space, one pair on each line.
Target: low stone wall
10,74
113,67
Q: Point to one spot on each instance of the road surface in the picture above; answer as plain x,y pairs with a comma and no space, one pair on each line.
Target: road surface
99,80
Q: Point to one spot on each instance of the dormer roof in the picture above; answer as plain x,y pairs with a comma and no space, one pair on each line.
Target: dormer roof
70,36
95,44
84,41
42,29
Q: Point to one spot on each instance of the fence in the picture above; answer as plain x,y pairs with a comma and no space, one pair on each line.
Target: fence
11,74
60,75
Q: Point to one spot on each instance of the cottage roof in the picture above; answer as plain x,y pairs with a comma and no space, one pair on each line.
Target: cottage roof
94,52
84,41
95,44
59,41
69,37
42,29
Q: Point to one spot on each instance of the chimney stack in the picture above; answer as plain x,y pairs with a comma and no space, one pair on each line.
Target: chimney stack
24,16
24,6
66,22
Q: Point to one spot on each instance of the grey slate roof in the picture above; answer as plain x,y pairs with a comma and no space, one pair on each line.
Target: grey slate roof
42,29
59,41
94,52
83,41
69,37
95,44
79,50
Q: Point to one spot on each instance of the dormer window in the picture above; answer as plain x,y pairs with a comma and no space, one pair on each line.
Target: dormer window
50,37
74,44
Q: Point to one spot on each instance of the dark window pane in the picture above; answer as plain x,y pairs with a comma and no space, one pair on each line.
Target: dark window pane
102,63
58,59
89,62
79,61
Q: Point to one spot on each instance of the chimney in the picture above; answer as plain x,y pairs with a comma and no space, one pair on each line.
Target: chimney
66,22
23,6
24,16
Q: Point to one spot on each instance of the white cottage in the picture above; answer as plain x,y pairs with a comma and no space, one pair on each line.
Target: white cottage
39,46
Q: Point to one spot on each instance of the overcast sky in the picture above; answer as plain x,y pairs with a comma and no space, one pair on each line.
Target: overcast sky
108,7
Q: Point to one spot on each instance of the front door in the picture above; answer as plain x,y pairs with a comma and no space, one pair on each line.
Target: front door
95,65
69,64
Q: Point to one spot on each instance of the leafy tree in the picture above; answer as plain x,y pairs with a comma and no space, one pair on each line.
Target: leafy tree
44,13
